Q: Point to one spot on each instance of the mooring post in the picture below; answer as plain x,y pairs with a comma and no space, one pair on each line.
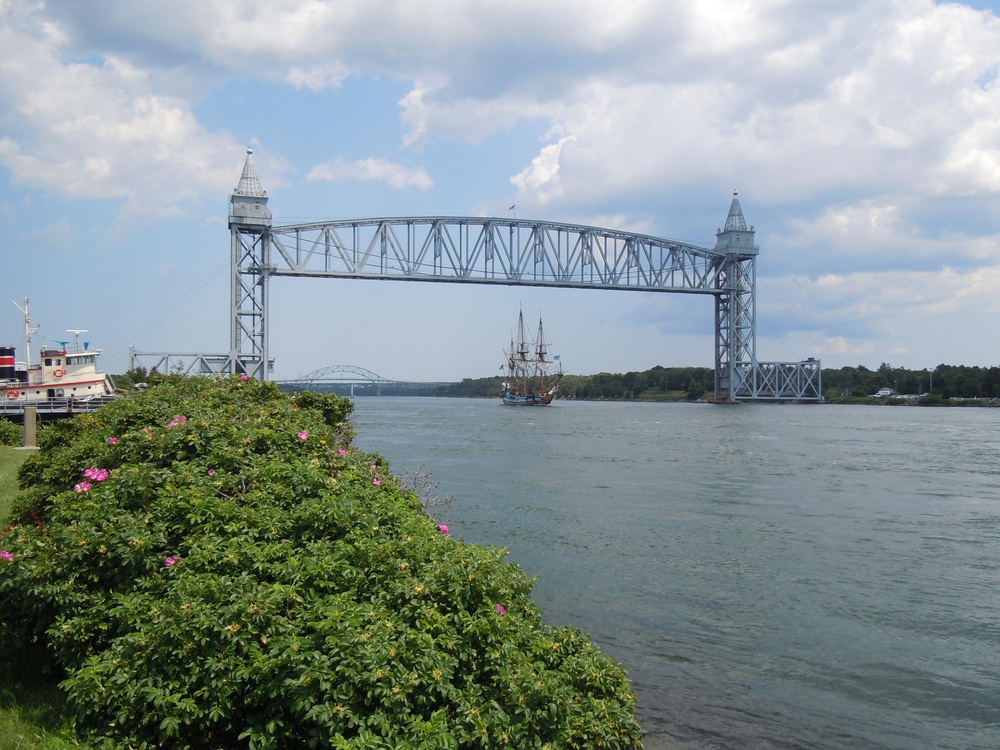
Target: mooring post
29,427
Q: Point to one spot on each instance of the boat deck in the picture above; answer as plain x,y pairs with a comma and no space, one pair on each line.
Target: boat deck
52,408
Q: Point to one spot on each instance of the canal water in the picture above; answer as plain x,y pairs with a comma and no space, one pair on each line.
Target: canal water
770,576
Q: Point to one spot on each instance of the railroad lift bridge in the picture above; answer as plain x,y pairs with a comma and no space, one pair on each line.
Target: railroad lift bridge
484,250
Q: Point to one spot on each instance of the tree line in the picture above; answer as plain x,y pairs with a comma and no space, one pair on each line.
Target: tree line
659,383
692,383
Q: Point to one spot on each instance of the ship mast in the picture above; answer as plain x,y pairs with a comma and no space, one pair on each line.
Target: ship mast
522,337
28,332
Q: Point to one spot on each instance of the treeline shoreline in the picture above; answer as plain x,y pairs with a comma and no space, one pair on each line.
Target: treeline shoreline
942,385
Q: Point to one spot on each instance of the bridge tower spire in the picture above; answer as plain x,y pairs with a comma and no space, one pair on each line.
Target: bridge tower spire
250,233
735,220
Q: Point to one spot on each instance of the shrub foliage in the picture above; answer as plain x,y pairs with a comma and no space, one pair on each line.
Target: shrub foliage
212,564
11,433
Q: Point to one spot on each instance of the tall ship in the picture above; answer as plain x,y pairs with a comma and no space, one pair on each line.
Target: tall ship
63,381
531,378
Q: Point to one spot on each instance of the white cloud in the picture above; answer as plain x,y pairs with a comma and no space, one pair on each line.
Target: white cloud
864,134
844,349
57,237
319,76
799,100
542,175
99,130
870,304
382,170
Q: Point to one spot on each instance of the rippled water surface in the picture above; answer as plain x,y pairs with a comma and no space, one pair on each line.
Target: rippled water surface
770,576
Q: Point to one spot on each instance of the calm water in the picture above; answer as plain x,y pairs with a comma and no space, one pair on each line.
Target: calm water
770,576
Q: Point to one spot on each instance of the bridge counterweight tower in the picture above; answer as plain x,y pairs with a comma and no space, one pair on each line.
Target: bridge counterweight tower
250,234
735,307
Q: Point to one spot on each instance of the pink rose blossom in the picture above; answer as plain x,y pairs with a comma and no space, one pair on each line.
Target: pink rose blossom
112,441
244,377
171,560
341,452
442,528
304,435
5,555
82,486
98,475
501,610
376,481
211,472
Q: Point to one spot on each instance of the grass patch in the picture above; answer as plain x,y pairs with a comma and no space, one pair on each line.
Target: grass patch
10,460
32,714
32,718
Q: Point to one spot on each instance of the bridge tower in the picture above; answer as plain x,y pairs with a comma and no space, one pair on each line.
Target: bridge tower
735,307
250,233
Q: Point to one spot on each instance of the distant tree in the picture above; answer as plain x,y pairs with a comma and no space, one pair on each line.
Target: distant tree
695,389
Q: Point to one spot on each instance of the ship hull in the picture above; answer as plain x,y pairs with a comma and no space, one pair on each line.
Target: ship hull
532,399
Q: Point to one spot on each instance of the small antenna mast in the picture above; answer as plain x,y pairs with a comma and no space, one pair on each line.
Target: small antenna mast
28,331
76,332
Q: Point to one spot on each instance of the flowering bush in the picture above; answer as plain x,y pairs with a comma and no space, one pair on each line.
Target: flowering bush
226,582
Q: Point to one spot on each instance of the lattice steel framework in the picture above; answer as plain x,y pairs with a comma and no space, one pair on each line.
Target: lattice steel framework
493,251
182,363
489,250
735,332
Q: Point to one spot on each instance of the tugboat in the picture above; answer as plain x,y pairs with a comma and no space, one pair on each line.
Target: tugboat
529,378
64,381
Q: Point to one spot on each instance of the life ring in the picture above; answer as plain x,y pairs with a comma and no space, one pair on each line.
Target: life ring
58,373
12,395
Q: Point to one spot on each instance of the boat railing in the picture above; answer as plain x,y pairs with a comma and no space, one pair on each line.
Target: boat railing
54,407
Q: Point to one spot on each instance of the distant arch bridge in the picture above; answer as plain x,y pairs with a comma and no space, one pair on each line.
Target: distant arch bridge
351,375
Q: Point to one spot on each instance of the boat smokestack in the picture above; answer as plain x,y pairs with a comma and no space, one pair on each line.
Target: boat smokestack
7,363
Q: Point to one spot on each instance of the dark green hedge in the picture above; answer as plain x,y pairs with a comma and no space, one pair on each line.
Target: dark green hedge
11,433
211,564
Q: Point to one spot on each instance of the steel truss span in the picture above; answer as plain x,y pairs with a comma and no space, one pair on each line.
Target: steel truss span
491,250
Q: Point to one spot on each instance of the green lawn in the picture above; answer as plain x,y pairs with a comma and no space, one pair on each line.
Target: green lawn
32,715
10,460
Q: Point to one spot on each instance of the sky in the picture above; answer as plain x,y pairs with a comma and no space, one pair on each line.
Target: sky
863,137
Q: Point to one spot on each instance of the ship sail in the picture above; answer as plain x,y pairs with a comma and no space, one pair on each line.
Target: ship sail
531,378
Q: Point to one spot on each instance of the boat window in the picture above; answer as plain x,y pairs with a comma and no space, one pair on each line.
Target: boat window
48,362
